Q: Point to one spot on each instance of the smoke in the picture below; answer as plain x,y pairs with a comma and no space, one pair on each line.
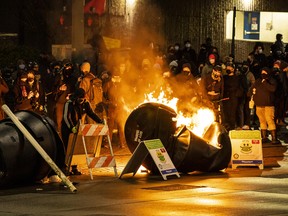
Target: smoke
132,80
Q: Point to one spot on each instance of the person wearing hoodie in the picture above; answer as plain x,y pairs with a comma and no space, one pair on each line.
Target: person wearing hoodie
208,67
263,93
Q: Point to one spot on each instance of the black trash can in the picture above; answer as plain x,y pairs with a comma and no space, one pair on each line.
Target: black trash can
187,151
20,163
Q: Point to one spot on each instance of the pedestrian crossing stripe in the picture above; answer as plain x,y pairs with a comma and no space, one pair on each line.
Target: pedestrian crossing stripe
94,130
98,162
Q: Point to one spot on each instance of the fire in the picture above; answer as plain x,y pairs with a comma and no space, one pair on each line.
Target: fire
162,99
198,122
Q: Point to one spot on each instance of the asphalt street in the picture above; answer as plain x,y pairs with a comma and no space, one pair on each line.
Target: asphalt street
240,191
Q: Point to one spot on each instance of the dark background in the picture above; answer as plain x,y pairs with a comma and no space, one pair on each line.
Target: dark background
164,21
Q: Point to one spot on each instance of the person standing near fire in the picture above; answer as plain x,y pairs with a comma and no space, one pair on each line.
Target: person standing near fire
234,90
115,90
263,91
3,90
92,87
74,109
64,85
213,89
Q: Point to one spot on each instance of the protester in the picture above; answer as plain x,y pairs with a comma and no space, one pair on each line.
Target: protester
3,90
92,87
263,91
213,86
234,90
74,109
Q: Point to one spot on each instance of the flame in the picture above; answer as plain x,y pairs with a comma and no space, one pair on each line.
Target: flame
198,121
162,99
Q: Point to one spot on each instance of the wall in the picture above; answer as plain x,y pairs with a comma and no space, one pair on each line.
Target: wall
170,21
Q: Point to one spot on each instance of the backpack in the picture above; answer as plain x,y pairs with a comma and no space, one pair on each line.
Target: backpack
95,92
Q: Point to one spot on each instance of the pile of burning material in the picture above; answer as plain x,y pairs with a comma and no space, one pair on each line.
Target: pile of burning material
191,146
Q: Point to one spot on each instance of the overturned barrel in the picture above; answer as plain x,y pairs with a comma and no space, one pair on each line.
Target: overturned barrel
187,151
20,163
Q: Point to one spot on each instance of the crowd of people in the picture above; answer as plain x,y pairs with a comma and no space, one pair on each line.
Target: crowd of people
246,95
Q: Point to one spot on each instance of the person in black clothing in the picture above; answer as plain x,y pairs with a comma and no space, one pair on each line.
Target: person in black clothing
258,54
278,48
64,85
177,51
205,50
188,53
280,69
233,90
74,109
213,88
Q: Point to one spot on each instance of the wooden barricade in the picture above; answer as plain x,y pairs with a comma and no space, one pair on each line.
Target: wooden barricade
97,130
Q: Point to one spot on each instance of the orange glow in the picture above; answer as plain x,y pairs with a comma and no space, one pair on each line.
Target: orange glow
198,121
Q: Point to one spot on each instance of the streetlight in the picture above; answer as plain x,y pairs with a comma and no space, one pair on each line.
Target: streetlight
247,4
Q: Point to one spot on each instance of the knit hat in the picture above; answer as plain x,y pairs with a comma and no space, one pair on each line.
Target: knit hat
85,67
267,69
230,64
217,68
186,65
278,62
173,64
78,93
212,56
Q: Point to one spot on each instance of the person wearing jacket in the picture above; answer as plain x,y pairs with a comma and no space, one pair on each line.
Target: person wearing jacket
63,86
263,91
213,90
92,87
74,109
3,90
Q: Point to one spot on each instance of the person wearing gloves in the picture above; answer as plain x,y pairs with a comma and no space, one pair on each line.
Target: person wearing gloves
263,91
74,109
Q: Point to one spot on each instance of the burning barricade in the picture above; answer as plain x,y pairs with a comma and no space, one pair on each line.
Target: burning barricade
194,143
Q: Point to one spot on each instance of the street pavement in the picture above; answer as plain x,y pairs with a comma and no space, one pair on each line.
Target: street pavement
241,191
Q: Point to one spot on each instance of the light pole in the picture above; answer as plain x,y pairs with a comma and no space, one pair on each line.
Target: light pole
77,28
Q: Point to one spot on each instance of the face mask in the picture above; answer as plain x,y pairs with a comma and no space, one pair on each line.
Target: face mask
245,69
80,100
174,70
30,80
276,70
188,45
264,76
22,66
260,51
186,72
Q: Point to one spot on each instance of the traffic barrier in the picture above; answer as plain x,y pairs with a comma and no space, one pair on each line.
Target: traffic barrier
97,162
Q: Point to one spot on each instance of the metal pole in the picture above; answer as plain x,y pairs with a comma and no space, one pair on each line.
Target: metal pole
233,34
38,147
77,29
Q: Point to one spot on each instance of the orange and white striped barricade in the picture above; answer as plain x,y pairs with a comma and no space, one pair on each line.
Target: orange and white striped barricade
97,162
